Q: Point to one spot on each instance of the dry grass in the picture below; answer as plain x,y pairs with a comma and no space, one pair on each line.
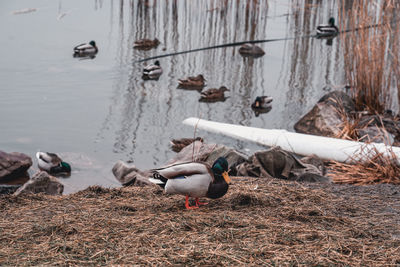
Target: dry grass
372,53
264,222
377,169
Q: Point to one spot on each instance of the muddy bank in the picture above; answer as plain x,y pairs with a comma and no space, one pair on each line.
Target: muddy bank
259,222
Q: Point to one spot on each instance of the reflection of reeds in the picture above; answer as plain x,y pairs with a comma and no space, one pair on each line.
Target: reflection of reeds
372,53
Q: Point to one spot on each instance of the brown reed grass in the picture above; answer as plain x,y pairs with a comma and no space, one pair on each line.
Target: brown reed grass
372,53
260,222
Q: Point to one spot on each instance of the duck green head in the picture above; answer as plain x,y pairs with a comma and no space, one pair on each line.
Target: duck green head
332,21
220,167
92,43
65,166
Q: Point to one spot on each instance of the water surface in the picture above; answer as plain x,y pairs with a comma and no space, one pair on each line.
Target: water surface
97,111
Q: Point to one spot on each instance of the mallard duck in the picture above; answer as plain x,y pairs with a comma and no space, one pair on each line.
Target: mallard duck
213,94
146,44
152,71
262,102
251,50
192,82
327,30
86,49
178,144
52,163
194,179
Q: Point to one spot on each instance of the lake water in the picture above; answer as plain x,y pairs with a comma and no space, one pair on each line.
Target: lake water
97,111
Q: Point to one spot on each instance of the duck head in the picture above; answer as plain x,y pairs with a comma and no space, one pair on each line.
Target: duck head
200,76
223,89
62,168
257,102
157,63
92,43
332,21
220,168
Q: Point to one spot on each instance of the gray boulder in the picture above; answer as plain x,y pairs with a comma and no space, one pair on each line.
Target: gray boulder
13,167
208,153
327,116
277,163
41,182
128,174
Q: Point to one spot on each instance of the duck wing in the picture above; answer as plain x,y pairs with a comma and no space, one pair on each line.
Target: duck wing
83,47
184,169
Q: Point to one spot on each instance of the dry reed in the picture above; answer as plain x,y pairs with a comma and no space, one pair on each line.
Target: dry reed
372,53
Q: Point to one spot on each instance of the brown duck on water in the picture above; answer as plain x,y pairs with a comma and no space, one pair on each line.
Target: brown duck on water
251,50
213,94
192,82
146,44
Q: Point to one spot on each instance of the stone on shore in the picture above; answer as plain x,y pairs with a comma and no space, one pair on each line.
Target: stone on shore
41,182
327,117
13,167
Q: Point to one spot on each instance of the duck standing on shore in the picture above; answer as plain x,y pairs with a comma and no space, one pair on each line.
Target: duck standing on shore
152,71
327,30
86,50
194,179
146,44
192,82
52,163
213,94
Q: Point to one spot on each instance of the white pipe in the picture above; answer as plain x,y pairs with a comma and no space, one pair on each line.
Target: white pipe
304,144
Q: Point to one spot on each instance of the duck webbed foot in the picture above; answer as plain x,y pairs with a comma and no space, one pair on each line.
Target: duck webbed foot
190,207
198,203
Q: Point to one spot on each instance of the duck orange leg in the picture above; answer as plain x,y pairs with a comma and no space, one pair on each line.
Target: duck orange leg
190,207
198,203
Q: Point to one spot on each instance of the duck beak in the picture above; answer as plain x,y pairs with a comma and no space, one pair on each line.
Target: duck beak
226,177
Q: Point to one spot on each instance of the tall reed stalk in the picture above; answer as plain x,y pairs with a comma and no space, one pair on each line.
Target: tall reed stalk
371,53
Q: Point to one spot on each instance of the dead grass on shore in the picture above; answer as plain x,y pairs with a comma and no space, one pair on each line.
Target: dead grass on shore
263,222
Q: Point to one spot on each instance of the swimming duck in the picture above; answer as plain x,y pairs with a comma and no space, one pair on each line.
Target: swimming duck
52,163
251,50
86,49
262,102
152,71
213,94
192,82
194,179
327,30
178,144
146,44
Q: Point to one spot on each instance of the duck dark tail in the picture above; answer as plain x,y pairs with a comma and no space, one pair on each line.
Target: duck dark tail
158,179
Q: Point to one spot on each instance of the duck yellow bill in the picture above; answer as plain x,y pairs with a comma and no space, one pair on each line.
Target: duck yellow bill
226,177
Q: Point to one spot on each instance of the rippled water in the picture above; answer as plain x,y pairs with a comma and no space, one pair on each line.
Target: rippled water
97,111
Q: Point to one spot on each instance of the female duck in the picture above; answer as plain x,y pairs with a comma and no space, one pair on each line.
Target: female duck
152,71
146,44
251,50
192,82
194,179
327,30
213,94
86,49
52,163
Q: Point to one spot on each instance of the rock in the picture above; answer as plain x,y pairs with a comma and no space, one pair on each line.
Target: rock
14,166
326,117
208,153
8,189
278,163
130,175
41,182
